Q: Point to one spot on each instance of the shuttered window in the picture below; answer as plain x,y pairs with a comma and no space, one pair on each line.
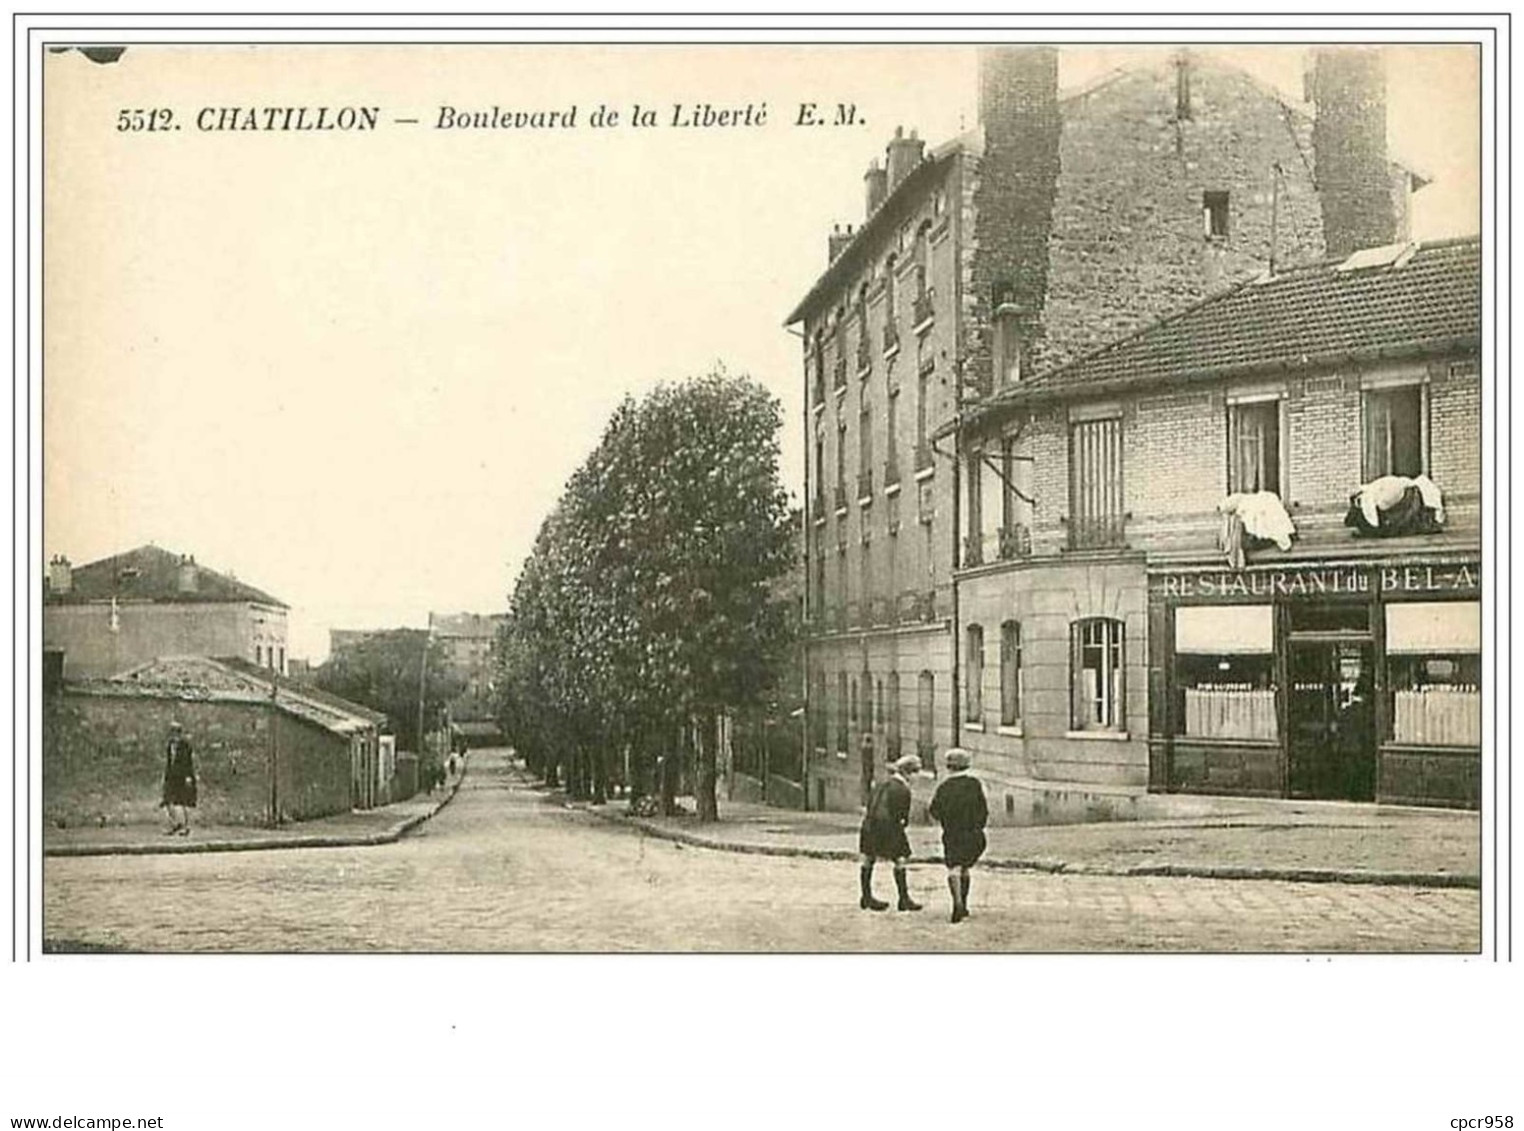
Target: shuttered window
1095,484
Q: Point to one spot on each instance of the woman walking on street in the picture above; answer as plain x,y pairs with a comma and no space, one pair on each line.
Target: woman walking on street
179,781
959,807
883,835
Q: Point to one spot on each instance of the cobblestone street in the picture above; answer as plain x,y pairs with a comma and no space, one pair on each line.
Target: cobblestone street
506,868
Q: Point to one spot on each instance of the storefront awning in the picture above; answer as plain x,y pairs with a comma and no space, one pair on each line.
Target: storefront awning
1434,628
1224,630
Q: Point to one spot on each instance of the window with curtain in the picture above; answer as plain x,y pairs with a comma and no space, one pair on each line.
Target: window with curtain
1010,673
1254,447
1096,647
1393,432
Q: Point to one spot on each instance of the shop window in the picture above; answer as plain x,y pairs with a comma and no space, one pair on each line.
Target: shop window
1434,673
1394,432
1010,673
1098,674
1225,672
1095,484
973,674
1254,447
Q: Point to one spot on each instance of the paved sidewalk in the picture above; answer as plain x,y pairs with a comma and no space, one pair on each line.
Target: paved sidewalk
358,828
1237,839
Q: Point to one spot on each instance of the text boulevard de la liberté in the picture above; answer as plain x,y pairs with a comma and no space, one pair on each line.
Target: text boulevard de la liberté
367,119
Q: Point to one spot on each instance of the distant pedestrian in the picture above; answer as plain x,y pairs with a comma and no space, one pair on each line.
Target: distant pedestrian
959,807
882,836
179,781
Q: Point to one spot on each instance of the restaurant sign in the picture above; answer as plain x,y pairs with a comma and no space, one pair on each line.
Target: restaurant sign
1321,581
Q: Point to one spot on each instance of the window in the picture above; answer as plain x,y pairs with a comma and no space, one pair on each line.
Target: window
1010,673
924,706
819,476
892,455
1095,483
1434,673
1214,215
1096,651
280,661
973,547
892,717
1394,432
973,674
1254,447
1225,672
841,711
1015,511
841,465
865,449
922,408
818,715
852,692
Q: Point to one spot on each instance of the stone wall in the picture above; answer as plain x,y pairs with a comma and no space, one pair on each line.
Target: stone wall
103,760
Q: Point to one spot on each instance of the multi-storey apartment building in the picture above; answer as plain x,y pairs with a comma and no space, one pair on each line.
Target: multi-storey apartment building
1113,638
1060,224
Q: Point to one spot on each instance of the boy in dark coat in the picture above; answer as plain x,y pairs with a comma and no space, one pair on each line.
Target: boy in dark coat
959,807
179,781
882,836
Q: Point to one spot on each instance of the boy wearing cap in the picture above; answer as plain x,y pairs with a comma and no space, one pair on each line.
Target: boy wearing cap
883,835
959,807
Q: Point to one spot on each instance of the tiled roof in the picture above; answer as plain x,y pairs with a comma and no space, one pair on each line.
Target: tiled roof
234,680
1412,301
149,573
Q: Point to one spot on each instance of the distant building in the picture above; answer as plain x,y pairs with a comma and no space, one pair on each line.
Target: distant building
343,639
467,639
119,612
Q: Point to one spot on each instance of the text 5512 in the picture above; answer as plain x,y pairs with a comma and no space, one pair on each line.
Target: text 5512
133,121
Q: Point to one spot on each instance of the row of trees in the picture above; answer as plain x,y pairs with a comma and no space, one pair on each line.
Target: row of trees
647,607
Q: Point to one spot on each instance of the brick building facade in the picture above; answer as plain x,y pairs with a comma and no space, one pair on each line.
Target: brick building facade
1126,646
1061,223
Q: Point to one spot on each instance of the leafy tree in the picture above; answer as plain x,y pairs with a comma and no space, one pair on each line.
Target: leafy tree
383,673
645,611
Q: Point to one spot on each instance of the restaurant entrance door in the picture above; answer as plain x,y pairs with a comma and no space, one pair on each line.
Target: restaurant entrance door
1331,732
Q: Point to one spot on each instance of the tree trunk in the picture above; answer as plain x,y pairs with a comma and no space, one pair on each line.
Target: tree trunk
668,767
707,742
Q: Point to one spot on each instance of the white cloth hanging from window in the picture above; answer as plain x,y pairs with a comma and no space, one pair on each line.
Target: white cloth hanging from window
1263,516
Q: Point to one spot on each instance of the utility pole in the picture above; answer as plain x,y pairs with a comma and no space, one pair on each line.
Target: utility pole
274,758
423,671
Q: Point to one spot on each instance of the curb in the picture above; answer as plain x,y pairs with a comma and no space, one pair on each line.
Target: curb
1054,867
315,840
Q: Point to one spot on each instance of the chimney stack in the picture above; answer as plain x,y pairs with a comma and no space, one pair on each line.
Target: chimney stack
839,239
60,576
1354,176
904,155
877,182
188,581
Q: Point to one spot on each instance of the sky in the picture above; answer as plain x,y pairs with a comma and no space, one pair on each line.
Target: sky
355,369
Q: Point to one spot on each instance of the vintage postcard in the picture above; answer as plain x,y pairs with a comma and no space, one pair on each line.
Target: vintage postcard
781,498
523,489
